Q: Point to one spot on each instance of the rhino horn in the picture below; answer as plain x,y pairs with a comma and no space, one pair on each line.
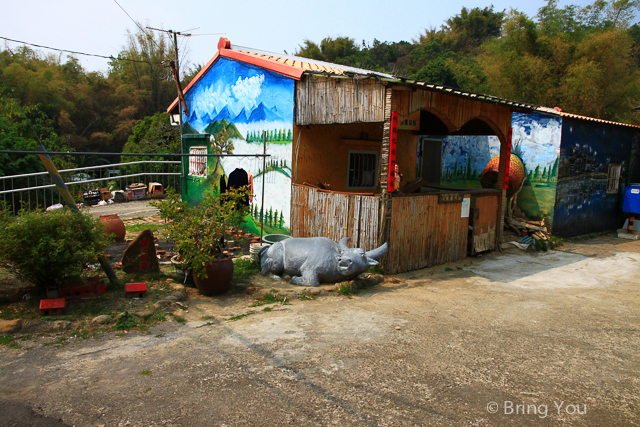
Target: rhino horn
378,252
344,243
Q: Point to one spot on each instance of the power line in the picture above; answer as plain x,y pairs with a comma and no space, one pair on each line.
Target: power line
137,24
127,13
74,52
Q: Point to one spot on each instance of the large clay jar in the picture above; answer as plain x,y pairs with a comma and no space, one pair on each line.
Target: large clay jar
489,177
114,225
219,276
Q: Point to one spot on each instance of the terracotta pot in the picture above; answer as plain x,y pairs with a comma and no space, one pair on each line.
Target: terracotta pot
219,276
114,225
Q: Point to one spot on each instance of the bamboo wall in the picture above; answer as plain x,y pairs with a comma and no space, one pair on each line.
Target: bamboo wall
324,100
317,213
424,233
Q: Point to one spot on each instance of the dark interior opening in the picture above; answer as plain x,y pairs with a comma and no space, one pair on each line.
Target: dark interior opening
430,124
475,127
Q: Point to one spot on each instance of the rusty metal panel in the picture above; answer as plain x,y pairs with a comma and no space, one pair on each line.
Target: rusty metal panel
485,216
425,233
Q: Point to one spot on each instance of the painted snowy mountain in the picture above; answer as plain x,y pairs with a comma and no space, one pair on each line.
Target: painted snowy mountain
207,118
261,113
193,117
241,117
224,114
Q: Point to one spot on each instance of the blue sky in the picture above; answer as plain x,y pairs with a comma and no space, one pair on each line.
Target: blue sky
100,26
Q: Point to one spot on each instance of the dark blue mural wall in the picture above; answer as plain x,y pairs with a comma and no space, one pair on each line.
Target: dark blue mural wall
583,204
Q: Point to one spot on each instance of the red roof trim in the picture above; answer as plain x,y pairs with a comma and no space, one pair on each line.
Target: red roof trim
269,64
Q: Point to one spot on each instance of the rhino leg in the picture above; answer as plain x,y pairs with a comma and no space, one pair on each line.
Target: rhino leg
309,278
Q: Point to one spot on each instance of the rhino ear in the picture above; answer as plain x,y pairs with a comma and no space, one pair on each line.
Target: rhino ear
344,243
378,252
372,262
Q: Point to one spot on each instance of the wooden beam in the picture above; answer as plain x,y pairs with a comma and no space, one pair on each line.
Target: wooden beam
179,86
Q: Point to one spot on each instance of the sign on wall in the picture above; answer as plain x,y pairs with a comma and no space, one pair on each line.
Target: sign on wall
410,122
393,142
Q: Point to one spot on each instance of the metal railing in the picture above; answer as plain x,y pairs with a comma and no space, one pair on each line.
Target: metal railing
35,191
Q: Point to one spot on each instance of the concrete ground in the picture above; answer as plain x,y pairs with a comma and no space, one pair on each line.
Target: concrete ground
131,209
504,339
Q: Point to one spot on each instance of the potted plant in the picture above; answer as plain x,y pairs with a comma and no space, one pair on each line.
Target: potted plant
201,233
52,249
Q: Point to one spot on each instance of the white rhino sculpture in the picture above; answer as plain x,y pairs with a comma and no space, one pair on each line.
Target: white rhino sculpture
314,260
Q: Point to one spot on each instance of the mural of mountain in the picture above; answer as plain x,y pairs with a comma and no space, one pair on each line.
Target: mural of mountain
263,113
217,126
241,117
207,118
188,129
224,114
193,117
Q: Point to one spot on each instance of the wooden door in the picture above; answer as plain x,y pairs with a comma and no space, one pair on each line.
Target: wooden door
431,160
484,217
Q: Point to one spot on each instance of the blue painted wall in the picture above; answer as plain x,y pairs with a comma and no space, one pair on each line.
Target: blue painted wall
582,203
464,158
246,101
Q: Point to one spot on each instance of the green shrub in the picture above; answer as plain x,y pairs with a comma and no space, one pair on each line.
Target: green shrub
125,322
52,248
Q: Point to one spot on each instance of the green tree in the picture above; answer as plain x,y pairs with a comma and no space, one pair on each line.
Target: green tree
153,134
146,77
579,59
16,134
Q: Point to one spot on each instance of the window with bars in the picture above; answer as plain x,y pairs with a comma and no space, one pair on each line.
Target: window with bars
198,161
362,170
614,178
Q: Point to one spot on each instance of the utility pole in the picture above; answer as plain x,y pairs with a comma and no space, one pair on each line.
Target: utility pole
175,68
176,75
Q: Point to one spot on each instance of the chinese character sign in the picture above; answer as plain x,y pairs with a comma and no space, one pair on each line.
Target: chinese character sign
392,151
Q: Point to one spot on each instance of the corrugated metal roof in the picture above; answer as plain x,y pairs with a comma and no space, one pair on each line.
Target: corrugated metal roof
480,96
561,113
310,65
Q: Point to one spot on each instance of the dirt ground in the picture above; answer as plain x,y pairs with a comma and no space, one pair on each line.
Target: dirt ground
515,338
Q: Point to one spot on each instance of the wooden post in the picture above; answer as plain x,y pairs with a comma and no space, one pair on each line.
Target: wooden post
385,197
505,156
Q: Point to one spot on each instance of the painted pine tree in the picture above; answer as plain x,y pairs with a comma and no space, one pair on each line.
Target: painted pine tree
554,170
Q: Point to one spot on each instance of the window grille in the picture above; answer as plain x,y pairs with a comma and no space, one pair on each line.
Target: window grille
362,170
198,161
